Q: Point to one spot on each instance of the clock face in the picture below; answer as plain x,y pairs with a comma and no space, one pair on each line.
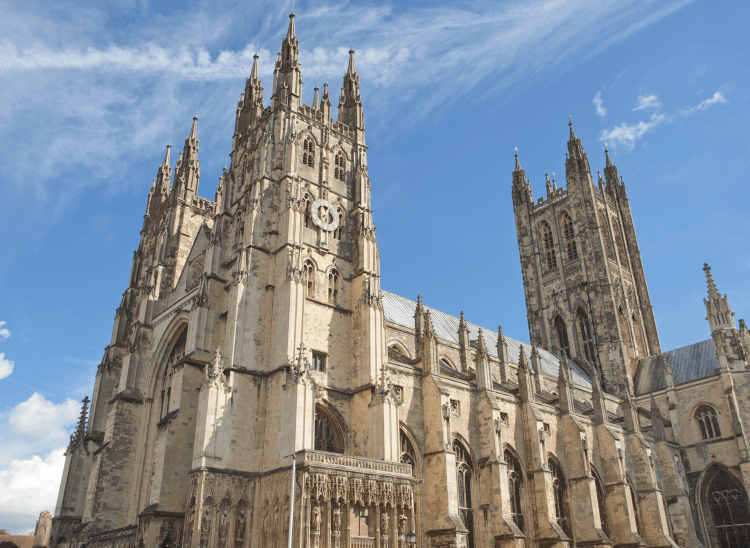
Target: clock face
325,215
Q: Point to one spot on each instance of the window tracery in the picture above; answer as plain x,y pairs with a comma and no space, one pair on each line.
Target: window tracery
178,350
560,495
328,436
561,331
308,154
333,286
549,246
708,421
309,272
515,484
408,454
729,511
584,328
340,166
338,230
464,473
569,235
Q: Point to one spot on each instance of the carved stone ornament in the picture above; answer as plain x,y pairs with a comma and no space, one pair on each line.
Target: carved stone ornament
215,369
298,370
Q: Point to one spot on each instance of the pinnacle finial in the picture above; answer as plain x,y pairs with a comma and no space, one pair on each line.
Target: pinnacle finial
290,32
518,164
351,69
194,129
713,292
254,71
606,153
572,131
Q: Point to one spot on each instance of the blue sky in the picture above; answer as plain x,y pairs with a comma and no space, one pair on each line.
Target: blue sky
92,92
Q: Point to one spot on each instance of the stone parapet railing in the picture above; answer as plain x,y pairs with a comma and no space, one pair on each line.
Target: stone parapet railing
354,464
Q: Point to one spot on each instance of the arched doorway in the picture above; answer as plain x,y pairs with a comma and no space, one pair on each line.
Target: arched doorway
726,510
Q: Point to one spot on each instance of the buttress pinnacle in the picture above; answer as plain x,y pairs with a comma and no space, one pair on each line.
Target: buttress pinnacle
572,131
290,33
606,153
518,164
254,72
351,69
713,292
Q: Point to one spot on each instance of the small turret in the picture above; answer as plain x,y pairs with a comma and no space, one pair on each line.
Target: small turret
718,312
549,187
610,170
464,342
521,187
564,386
525,378
482,364
578,162
188,171
325,104
252,99
350,102
316,99
287,76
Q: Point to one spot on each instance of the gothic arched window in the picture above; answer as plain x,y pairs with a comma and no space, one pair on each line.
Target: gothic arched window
619,241
337,232
178,350
328,436
408,455
559,492
584,327
309,150
515,483
561,331
463,478
569,235
729,511
308,212
549,246
708,421
333,286
309,273
340,168
602,501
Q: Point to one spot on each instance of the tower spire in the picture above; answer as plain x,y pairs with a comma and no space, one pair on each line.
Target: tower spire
713,292
350,102
287,78
610,170
187,170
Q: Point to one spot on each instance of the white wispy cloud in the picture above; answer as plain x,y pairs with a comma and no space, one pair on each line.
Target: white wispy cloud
627,134
717,97
4,333
6,366
599,104
647,101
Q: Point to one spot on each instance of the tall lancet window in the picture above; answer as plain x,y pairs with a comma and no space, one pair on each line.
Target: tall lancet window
309,151
309,273
515,485
337,232
561,330
584,327
729,510
408,454
606,234
569,235
178,350
549,246
308,212
463,479
339,170
559,492
333,286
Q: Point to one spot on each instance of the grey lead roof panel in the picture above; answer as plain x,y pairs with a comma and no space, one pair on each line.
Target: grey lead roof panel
689,363
400,310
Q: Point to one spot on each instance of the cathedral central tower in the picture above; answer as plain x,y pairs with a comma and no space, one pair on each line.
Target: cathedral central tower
586,294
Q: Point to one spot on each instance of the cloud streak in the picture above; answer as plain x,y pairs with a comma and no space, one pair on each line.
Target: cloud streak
716,98
112,87
6,366
646,102
4,333
599,104
626,135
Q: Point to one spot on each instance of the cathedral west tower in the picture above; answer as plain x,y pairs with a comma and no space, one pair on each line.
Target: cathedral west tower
586,293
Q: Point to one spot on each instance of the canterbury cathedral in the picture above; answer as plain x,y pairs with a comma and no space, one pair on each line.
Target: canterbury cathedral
262,390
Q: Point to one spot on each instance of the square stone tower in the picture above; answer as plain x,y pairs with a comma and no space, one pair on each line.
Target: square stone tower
586,293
